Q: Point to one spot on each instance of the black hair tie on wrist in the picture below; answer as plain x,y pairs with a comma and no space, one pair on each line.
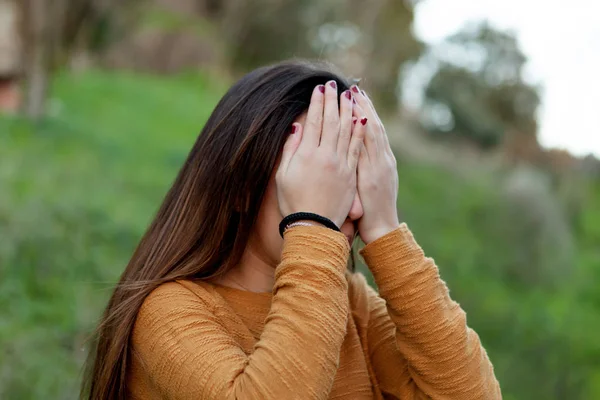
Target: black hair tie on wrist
301,216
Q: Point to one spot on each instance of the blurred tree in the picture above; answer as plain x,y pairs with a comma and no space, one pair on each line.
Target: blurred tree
370,42
479,81
37,44
51,31
367,42
10,57
388,42
275,32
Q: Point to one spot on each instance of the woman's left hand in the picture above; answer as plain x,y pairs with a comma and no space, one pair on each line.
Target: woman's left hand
377,173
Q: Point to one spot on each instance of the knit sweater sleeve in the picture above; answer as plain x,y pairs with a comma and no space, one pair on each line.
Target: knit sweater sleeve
419,341
186,353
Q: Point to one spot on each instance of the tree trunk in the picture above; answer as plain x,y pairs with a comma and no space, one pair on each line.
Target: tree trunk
37,48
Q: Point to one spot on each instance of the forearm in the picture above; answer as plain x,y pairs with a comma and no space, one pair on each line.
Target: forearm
444,356
309,311
188,353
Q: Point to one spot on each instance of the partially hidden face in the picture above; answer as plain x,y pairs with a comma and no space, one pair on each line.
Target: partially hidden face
267,242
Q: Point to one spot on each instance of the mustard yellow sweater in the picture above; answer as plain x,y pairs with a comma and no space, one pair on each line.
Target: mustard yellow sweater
322,334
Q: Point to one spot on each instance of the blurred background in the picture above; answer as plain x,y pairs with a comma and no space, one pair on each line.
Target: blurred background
491,108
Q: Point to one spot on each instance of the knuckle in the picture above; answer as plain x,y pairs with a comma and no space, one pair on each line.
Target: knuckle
329,161
361,133
314,124
371,185
332,124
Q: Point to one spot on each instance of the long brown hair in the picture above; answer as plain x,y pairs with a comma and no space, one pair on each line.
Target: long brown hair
205,220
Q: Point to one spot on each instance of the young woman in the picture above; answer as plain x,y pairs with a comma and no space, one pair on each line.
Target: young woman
215,304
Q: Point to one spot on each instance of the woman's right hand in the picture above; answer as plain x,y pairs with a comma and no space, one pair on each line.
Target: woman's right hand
317,172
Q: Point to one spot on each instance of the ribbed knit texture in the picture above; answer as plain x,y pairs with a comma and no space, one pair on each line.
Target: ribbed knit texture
322,334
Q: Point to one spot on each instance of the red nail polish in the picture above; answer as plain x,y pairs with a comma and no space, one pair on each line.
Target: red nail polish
355,89
363,120
333,84
348,94
354,121
294,129
321,88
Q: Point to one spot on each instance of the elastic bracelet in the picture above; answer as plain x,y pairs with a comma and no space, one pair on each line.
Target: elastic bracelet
306,216
299,223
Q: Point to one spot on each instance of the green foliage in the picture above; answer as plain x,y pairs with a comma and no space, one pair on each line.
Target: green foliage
527,280
78,190
479,80
76,194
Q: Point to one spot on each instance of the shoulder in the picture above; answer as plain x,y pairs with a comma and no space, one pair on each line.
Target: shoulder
170,295
172,302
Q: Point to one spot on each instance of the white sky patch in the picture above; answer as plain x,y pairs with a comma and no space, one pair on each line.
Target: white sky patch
562,42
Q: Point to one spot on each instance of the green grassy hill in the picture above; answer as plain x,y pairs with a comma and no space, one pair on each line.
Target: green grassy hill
76,194
78,190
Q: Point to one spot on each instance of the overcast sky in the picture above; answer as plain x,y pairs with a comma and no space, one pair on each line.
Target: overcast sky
562,41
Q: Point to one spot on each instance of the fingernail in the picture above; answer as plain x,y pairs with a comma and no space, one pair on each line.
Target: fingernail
333,84
348,94
355,89
321,88
363,120
294,129
354,119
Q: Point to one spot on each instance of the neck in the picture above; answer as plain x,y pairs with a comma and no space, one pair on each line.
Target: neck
254,273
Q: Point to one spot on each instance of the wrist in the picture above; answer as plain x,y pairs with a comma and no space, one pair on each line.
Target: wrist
306,216
312,223
379,232
304,222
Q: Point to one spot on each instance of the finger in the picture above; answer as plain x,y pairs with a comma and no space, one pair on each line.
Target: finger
363,101
366,96
384,136
346,121
386,144
314,119
291,145
363,161
363,158
331,117
369,136
376,126
357,143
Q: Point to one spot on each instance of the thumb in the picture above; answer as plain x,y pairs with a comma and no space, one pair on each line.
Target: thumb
291,145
